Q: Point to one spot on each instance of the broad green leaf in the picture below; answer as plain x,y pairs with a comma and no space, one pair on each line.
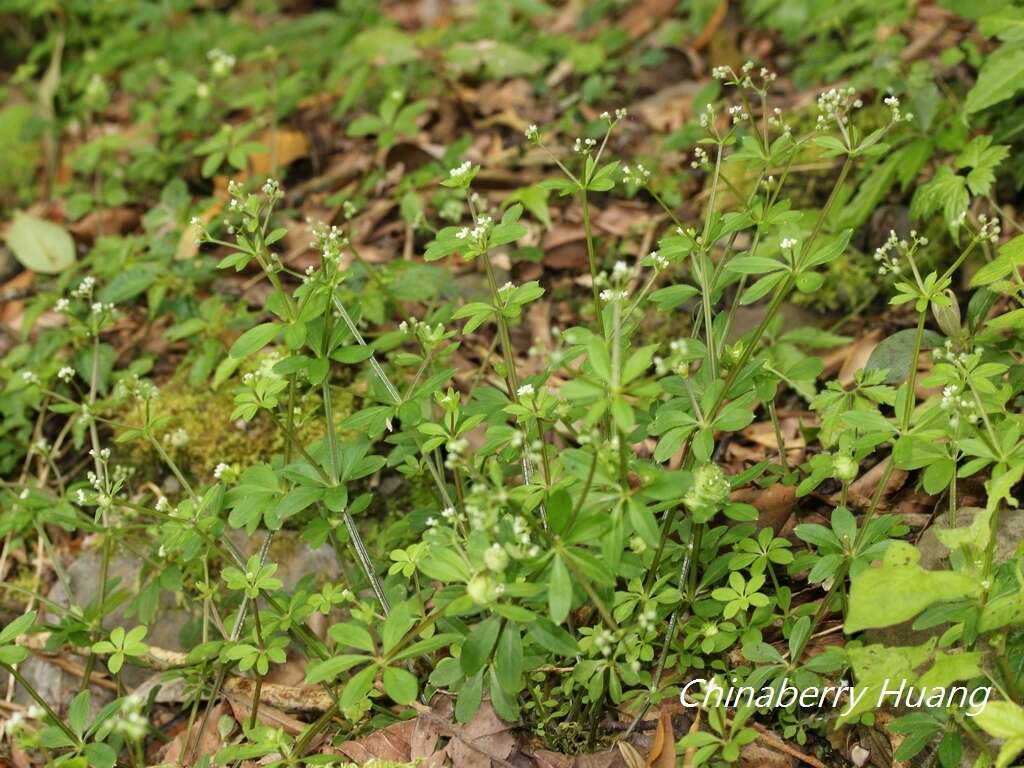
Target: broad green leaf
255,339
400,684
895,353
478,646
40,245
559,591
999,79
900,589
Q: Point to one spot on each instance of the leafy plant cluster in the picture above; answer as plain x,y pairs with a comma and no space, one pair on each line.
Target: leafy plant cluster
578,547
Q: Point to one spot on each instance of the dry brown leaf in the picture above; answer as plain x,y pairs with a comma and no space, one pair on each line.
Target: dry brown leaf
188,244
391,743
630,754
757,755
241,708
714,22
208,740
610,758
284,147
642,16
483,737
663,750
774,504
864,487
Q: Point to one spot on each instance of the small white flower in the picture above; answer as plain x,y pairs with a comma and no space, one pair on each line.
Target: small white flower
787,243
220,469
532,133
66,373
525,391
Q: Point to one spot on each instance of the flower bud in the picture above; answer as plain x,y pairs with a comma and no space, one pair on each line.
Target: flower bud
482,589
844,468
948,317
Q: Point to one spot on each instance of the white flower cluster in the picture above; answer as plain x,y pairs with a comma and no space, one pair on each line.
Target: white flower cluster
776,121
461,172
963,359
637,175
619,114
738,114
609,295
835,104
478,232
958,405
659,262
700,158
707,117
221,62
66,373
988,229
129,722
85,288
746,77
330,241
646,619
584,145
893,104
526,390
428,335
888,254
272,189
604,641
532,133
787,244
679,351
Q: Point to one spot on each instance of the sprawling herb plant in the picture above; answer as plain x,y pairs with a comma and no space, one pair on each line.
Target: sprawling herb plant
578,546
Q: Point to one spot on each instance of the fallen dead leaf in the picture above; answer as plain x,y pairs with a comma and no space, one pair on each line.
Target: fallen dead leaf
391,743
663,750
630,754
284,147
757,755
864,487
642,16
209,740
241,708
774,504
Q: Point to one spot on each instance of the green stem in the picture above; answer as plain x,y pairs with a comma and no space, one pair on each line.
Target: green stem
41,702
591,259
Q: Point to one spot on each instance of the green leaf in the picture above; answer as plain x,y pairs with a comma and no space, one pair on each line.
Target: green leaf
895,353
508,661
129,283
1011,256
559,591
17,628
293,502
255,339
999,79
478,646
40,245
330,668
358,687
470,694
900,589
400,684
553,638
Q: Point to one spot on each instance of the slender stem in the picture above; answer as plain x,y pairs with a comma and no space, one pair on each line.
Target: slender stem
591,259
259,680
41,702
